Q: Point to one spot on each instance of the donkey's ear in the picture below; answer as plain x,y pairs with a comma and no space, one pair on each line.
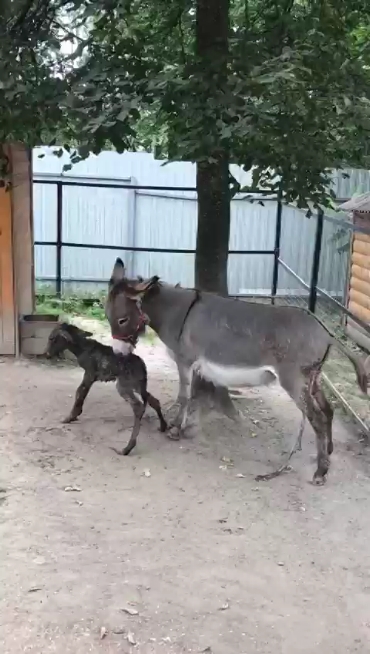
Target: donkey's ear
143,286
118,272
139,289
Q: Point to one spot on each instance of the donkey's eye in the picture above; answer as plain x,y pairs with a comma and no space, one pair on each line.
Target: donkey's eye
122,321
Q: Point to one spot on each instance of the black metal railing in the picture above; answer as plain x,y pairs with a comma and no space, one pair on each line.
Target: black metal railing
311,288
60,243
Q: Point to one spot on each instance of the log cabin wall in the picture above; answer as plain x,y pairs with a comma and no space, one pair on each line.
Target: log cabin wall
359,283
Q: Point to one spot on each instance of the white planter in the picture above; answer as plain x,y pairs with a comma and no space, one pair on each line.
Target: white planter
34,332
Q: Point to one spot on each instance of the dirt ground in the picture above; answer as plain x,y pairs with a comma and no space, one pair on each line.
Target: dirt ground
171,550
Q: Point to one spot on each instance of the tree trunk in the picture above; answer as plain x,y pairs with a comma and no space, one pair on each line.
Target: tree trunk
212,37
213,225
212,33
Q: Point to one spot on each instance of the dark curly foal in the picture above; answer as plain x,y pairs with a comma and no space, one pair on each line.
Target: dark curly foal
100,363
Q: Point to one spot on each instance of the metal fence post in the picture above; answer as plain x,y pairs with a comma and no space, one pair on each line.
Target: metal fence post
59,238
316,261
275,272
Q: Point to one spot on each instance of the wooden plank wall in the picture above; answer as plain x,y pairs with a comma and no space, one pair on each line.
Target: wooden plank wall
22,228
359,284
16,249
7,301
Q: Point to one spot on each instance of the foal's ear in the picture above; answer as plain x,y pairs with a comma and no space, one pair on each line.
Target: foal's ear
65,333
118,272
71,329
138,290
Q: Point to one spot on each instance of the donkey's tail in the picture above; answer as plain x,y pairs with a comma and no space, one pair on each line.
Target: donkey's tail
362,374
358,364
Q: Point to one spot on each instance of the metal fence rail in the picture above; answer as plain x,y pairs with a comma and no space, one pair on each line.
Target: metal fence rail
59,243
311,288
289,254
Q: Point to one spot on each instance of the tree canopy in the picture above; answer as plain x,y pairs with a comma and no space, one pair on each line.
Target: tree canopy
295,101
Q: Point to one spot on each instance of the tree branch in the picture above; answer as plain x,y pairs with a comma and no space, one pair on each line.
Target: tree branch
68,31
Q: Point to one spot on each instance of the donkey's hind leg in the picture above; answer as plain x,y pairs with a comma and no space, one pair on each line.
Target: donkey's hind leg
318,420
322,401
138,409
301,387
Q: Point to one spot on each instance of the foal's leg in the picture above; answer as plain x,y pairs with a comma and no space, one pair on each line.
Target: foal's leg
155,404
80,398
138,409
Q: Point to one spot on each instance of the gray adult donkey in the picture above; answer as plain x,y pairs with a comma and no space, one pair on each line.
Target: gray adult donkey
232,344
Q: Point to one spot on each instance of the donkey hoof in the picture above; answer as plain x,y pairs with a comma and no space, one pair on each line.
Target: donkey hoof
172,408
120,452
68,420
174,434
318,479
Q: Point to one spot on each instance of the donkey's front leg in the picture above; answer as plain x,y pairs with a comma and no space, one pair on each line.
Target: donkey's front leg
179,423
81,395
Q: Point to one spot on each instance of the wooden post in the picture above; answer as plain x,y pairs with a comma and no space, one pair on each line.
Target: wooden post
22,216
16,248
7,299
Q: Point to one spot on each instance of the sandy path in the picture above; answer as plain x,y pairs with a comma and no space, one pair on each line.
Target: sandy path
206,558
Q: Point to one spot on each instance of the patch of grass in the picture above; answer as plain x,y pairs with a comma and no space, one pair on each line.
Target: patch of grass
150,336
71,306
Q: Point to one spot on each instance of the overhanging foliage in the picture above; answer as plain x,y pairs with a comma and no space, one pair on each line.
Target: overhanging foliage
295,102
